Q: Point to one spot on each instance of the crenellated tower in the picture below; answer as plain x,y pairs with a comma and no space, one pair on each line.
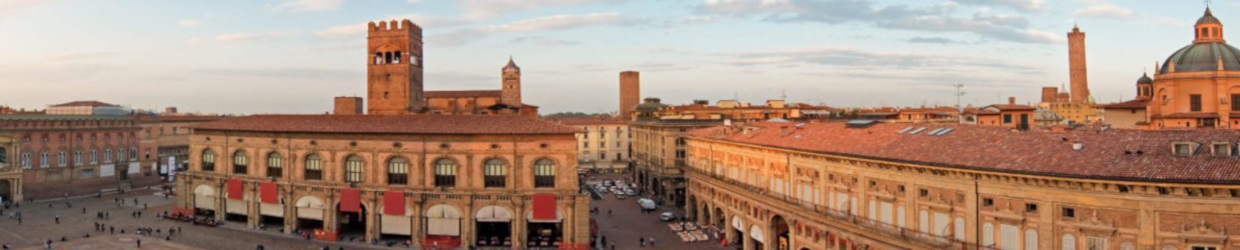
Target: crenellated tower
511,93
1077,74
394,68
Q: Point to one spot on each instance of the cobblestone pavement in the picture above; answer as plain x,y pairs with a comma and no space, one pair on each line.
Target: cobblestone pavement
627,223
39,224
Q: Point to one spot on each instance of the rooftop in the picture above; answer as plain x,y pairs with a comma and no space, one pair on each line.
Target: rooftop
1130,104
389,124
1114,154
43,117
85,104
590,121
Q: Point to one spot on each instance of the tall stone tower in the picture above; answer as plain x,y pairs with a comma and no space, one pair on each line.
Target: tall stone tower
511,93
630,93
1076,66
394,68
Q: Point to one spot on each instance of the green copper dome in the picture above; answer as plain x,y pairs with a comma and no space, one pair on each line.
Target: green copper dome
1145,79
1203,57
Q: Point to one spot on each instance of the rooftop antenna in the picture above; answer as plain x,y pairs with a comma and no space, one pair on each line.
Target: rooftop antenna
959,93
735,95
783,94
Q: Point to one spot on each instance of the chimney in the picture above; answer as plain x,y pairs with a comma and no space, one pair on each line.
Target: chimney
1012,100
1078,146
783,131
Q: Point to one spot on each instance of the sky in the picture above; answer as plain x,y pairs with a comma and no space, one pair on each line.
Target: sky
294,56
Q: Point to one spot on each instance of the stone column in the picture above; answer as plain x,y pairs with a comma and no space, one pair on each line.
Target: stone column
221,202
372,222
252,217
415,235
747,242
290,208
329,212
518,223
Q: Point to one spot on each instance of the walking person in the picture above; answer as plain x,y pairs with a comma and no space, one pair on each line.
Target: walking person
58,219
642,241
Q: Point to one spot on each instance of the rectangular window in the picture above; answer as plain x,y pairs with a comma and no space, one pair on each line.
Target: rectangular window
1235,102
275,167
314,168
1095,243
1031,207
1069,212
988,202
445,175
1007,118
353,172
1204,248
1194,103
398,172
1222,149
1183,149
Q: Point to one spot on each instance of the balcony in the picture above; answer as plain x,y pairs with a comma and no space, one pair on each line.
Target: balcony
843,216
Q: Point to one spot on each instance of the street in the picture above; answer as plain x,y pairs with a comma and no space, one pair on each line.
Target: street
622,223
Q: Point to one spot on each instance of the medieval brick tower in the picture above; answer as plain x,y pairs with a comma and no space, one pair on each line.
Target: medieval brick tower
630,93
394,68
1076,66
511,93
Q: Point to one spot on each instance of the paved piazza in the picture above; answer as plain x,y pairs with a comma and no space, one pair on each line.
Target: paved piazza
627,223
38,224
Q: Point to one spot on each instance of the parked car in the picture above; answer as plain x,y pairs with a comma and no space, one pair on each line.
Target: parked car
630,192
667,216
646,203
620,196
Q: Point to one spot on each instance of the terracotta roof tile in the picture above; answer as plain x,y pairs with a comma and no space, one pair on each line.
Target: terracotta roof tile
461,93
390,124
1107,154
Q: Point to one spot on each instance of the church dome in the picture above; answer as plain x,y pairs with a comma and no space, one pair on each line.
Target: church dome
1145,79
1208,18
1203,57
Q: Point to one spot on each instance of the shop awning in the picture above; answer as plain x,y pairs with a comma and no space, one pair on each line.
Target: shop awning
493,214
394,202
268,193
235,191
350,200
544,207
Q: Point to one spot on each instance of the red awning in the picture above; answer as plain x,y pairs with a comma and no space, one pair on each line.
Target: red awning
268,193
235,191
441,241
350,200
544,206
394,203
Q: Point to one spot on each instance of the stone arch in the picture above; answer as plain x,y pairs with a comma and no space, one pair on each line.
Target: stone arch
310,201
757,234
493,213
780,232
691,207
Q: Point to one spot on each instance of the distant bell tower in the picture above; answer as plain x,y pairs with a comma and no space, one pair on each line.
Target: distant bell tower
1077,76
394,68
511,93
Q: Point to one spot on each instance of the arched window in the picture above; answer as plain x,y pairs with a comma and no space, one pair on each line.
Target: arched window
314,167
398,171
133,153
353,169
77,157
387,57
4,155
396,57
43,159
61,159
445,172
26,160
378,58
240,162
120,154
94,156
275,165
494,173
107,155
544,173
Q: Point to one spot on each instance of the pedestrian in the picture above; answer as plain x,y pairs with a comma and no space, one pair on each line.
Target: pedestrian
139,243
613,246
58,219
83,210
168,238
608,212
144,206
106,215
642,241
68,205
651,241
112,230
135,201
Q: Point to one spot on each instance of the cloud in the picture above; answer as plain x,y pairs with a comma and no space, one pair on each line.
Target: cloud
81,56
933,18
844,57
482,9
292,73
558,22
532,25
246,37
1104,11
1026,5
545,41
350,31
8,7
309,5
1169,22
934,40
343,31
188,23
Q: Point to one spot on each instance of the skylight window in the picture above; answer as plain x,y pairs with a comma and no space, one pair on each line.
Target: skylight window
918,130
904,130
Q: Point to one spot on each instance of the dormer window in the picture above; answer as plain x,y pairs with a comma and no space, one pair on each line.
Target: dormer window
1222,149
1182,149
